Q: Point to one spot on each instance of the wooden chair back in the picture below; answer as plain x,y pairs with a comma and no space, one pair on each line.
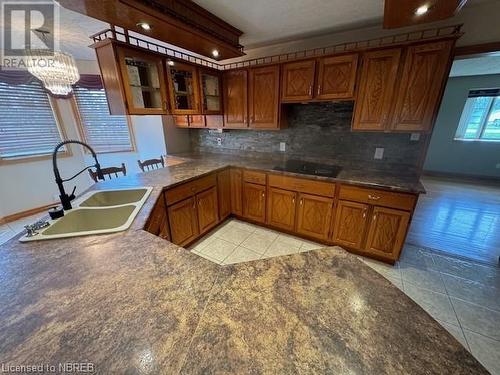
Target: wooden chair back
109,171
150,164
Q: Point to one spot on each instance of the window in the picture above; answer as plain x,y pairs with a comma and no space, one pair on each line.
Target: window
28,126
102,131
480,119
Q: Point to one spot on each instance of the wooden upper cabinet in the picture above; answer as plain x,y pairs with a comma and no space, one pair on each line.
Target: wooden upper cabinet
424,74
387,232
314,216
143,82
350,224
184,89
224,193
183,221
281,206
181,121
264,97
208,212
236,99
196,121
210,92
254,202
376,89
297,81
336,77
236,191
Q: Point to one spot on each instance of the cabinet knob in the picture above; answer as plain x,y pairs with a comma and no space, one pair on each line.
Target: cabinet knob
301,202
364,214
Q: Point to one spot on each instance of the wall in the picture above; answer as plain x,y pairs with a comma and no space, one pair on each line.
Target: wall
446,155
30,184
319,130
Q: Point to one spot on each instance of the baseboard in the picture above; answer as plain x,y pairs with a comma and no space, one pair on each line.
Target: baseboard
23,214
462,176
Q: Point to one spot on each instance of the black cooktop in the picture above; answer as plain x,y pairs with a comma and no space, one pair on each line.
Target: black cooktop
304,167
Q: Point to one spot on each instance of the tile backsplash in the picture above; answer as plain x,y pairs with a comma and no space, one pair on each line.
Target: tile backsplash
319,131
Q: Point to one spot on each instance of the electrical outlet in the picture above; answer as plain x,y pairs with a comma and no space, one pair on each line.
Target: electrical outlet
415,137
282,146
497,166
219,141
379,153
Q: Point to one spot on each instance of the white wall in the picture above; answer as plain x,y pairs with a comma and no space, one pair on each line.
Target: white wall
27,185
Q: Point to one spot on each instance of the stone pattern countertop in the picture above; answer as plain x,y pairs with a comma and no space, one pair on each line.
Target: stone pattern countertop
356,176
133,303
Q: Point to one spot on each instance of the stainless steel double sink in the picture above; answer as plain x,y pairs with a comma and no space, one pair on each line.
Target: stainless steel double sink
96,212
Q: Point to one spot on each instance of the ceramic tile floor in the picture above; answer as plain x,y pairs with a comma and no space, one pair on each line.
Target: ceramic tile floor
463,296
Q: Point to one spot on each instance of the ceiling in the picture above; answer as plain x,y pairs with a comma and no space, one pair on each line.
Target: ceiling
266,22
476,66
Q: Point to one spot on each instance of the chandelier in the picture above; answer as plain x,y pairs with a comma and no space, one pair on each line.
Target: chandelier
57,70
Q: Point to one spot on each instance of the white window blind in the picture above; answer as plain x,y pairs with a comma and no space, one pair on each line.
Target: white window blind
102,131
28,126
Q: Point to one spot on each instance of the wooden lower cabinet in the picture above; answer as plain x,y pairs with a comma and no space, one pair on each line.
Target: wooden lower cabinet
224,193
208,212
157,223
314,216
387,232
350,224
281,208
183,220
236,176
254,202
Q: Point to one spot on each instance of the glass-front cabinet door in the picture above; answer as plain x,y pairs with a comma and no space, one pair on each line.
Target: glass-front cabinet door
144,82
211,89
184,89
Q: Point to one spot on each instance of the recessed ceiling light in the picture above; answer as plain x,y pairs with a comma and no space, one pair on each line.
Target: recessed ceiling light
422,10
170,62
144,26
215,53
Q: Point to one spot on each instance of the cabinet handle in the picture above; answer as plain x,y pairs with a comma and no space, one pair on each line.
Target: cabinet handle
194,205
293,200
364,214
374,197
374,217
310,90
301,202
263,194
319,90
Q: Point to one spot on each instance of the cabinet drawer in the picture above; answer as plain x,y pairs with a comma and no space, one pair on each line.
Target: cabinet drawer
189,189
322,188
254,177
378,197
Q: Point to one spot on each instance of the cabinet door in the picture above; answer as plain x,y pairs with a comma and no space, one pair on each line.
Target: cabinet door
208,210
376,89
387,232
424,74
281,208
181,121
297,81
144,82
184,89
196,121
264,97
235,99
350,224
211,92
236,191
183,221
254,202
314,216
337,77
224,191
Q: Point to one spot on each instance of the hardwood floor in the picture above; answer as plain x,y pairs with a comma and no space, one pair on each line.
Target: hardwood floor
458,217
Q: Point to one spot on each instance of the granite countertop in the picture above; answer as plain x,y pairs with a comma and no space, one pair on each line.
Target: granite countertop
407,183
131,302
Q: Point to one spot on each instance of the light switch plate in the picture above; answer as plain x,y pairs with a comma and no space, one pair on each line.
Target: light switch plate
282,146
379,153
497,166
415,137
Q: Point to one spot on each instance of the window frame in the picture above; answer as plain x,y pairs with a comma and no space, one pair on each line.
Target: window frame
83,138
64,153
465,117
